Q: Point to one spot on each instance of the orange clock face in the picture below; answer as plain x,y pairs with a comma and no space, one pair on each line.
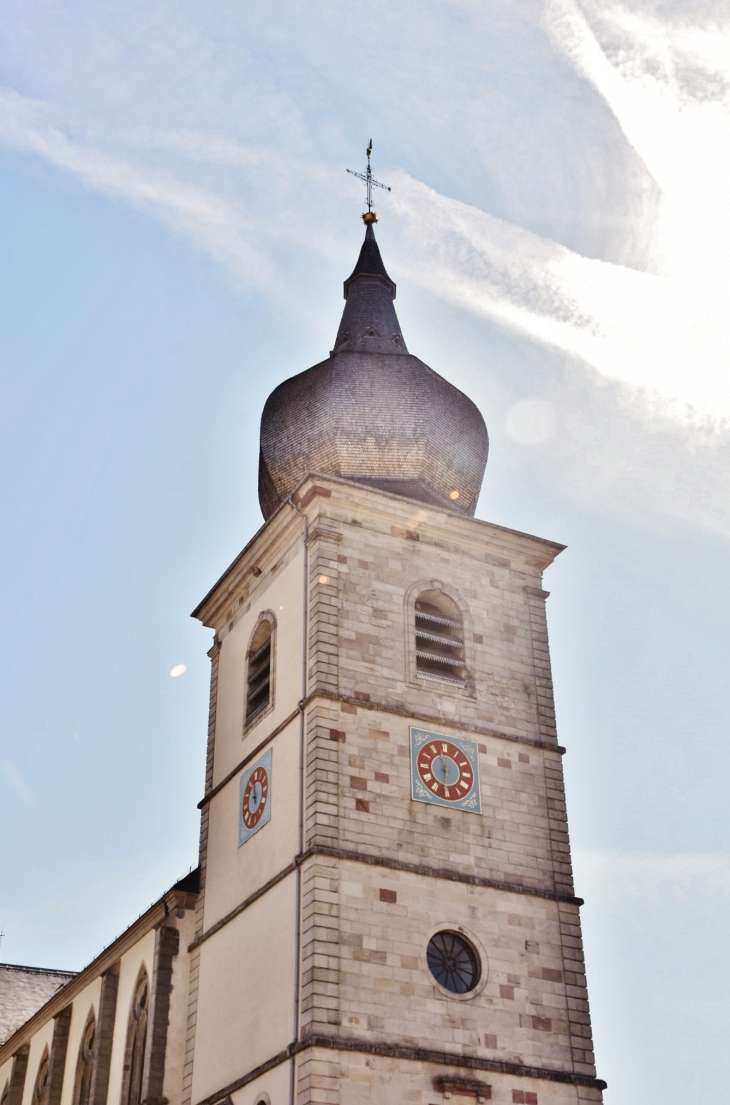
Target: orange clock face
444,770
255,797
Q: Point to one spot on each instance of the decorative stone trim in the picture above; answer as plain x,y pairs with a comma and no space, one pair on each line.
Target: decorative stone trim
57,1060
322,784
222,1097
535,598
247,759
17,1076
466,1087
187,1081
428,719
417,1054
437,873
323,607
391,864
243,905
322,530
104,1037
167,944
445,1058
85,1061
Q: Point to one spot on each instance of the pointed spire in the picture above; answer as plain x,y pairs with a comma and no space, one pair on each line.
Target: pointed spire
369,322
370,263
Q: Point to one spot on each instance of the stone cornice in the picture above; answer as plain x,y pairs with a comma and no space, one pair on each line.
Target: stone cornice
414,1054
429,719
392,864
288,870
245,569
437,873
466,534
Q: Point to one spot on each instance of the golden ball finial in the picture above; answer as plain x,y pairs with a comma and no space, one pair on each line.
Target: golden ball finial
369,217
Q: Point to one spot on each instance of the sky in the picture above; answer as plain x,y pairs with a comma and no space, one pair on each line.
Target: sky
176,222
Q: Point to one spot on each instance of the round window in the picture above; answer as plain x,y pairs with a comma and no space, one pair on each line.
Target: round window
453,962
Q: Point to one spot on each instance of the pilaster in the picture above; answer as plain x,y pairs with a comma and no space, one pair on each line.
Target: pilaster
323,653
104,1037
17,1076
57,1058
320,995
167,945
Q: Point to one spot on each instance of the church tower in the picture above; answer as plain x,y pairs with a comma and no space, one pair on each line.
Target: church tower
387,911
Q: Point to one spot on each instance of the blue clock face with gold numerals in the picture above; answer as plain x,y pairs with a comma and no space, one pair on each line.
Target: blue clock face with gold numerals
445,771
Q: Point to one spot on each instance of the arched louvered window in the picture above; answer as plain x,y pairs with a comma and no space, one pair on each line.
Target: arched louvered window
259,673
41,1081
85,1062
136,1042
439,639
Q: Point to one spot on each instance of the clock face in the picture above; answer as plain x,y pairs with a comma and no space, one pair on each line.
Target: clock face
255,798
445,770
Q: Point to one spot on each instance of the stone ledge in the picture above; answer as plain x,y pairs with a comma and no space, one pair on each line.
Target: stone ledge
436,873
396,711
393,865
416,1054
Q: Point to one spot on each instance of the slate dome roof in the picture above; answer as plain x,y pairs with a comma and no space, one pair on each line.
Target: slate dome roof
372,412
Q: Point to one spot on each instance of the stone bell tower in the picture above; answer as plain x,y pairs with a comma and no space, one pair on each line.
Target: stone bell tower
387,911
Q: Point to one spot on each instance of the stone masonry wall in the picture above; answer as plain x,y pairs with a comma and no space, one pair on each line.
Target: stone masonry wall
327,1077
367,920
359,779
371,580
365,970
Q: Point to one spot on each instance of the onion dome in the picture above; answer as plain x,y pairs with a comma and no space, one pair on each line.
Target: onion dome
372,412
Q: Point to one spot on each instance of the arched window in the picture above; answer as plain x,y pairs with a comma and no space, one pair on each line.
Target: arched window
41,1081
258,679
85,1062
136,1042
439,639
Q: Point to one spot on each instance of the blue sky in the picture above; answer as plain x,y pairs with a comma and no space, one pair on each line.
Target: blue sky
176,222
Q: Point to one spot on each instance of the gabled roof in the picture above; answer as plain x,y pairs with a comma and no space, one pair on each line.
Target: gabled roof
23,991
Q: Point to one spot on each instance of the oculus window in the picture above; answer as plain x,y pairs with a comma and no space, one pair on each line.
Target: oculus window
453,962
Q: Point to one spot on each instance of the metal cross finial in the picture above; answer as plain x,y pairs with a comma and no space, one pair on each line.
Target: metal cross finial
370,183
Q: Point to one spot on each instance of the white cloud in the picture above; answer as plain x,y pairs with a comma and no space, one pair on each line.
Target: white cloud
205,217
663,331
658,337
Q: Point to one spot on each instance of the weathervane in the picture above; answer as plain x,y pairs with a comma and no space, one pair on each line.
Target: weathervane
370,183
